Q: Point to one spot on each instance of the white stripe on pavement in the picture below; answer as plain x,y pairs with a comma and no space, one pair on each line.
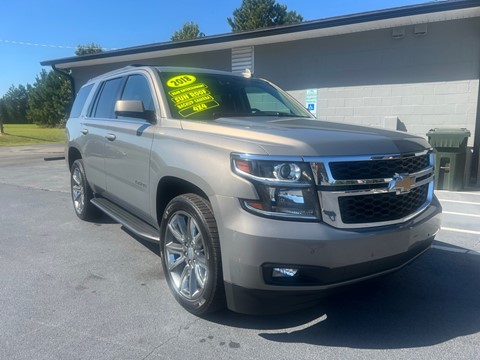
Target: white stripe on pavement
456,250
460,202
473,232
299,327
461,214
451,249
459,192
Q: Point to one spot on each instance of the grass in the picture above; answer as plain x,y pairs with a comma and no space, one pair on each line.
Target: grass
28,134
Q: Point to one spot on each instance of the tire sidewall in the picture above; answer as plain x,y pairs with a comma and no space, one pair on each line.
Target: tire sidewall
89,211
183,204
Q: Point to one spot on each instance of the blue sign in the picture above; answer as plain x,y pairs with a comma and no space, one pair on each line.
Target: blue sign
311,100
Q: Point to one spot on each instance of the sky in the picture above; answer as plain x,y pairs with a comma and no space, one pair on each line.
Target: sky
36,30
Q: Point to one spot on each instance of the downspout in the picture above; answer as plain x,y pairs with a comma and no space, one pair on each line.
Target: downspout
72,85
69,77
476,146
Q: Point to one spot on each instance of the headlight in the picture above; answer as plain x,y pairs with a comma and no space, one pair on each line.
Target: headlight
285,187
287,171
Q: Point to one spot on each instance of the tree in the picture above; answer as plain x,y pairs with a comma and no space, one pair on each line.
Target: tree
3,115
88,49
189,31
49,99
256,14
15,104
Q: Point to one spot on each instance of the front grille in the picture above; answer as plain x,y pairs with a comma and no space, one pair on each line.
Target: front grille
377,169
381,207
363,192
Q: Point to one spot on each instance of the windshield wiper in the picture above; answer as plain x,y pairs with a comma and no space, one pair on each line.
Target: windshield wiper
217,115
277,113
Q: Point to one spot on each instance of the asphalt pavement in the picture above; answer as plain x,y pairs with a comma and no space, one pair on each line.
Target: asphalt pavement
78,290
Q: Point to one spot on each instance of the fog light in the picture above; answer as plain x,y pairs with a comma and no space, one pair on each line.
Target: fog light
284,272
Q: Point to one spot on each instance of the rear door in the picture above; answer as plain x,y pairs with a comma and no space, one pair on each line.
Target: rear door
94,129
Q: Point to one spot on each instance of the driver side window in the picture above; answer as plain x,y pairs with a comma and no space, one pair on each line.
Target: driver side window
137,88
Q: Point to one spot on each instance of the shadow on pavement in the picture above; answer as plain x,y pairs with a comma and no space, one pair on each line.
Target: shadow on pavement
150,245
431,301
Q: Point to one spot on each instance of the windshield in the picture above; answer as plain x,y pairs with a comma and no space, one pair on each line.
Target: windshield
202,96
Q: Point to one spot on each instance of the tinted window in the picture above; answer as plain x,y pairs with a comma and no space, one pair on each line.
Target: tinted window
80,101
137,88
261,100
108,97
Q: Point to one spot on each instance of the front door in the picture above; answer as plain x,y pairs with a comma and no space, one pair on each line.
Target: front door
127,151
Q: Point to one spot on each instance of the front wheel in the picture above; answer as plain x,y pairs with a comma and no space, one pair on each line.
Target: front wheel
190,252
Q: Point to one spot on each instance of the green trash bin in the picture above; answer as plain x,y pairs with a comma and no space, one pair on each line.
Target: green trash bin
450,147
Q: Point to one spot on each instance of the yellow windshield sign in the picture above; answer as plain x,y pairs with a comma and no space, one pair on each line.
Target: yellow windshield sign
189,97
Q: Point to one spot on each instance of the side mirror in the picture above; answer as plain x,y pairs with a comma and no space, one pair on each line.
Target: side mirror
133,109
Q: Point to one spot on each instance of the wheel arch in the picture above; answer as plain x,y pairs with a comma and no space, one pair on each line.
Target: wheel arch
170,187
73,154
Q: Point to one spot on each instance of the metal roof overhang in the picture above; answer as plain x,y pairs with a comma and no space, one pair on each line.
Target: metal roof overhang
390,18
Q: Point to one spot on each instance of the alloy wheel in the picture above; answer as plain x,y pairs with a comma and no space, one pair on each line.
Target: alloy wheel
78,191
185,256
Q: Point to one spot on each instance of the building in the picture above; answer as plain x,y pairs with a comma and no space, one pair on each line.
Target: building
411,68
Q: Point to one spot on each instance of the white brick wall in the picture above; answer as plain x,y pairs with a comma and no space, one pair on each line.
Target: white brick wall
419,106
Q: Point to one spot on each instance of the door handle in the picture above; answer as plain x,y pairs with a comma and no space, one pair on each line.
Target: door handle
110,137
84,131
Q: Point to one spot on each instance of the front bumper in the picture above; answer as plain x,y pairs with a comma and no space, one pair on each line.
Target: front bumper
327,257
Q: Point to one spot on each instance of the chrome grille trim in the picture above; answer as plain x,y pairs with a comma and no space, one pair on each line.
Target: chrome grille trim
330,190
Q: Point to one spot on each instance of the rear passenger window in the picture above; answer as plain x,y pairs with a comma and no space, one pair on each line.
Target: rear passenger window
137,88
79,102
108,96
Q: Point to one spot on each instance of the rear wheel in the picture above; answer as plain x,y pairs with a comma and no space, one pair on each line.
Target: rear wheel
82,193
190,252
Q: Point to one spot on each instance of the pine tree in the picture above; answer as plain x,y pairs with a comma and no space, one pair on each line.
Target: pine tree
256,14
49,99
88,49
189,31
14,105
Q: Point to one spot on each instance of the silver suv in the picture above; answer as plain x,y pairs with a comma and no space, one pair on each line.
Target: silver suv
256,205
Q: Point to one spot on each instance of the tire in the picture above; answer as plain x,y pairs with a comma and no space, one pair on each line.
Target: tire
82,193
190,252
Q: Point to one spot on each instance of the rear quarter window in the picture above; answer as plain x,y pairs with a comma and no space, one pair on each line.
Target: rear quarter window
80,100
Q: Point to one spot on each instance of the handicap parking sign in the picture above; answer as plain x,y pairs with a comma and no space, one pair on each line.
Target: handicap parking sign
311,101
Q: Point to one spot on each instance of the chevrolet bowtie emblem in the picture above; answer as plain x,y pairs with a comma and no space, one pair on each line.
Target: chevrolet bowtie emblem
401,183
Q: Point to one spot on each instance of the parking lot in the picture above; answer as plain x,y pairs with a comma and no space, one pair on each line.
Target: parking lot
76,290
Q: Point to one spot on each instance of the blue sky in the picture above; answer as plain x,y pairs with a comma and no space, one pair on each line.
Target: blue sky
32,31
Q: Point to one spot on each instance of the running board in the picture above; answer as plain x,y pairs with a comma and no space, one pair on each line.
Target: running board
130,221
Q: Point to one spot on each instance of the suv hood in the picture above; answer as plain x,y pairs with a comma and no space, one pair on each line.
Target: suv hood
310,137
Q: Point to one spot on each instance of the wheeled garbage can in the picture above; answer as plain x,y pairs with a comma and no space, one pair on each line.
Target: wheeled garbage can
450,148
